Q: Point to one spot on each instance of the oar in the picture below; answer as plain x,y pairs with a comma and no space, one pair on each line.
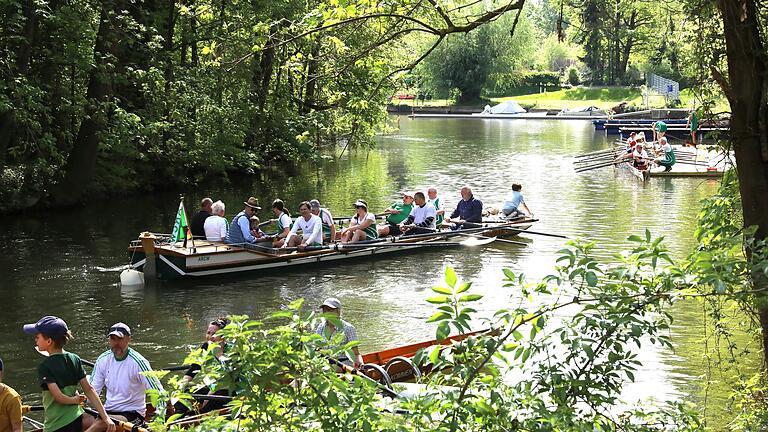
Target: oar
603,165
30,408
346,246
525,230
121,425
34,423
596,152
91,364
498,239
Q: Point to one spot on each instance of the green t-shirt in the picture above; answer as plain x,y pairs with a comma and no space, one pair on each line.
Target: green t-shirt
660,126
694,121
65,370
404,209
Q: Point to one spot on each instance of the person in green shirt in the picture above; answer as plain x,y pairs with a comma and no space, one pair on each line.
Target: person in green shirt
59,375
396,214
659,130
693,123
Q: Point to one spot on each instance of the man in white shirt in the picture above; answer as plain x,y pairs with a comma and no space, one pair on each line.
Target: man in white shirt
215,226
311,229
120,369
422,217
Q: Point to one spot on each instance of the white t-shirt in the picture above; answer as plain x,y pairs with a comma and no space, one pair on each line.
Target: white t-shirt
311,229
420,214
285,221
368,216
215,228
641,154
125,383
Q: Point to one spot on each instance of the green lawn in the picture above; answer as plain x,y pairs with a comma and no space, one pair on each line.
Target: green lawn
601,97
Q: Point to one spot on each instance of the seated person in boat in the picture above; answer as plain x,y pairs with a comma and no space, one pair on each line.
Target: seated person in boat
120,370
329,227
396,214
197,224
215,226
362,226
218,348
640,158
10,407
468,213
435,201
511,207
667,158
239,232
348,333
283,222
422,219
256,229
311,229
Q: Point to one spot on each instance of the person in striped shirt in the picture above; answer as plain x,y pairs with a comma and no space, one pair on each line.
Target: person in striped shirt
121,371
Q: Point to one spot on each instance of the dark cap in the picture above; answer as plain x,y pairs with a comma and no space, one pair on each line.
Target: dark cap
315,204
50,326
120,330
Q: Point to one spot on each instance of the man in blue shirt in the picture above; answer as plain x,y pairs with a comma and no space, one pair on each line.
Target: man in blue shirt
240,229
468,213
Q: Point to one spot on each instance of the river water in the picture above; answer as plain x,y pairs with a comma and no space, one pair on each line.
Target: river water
67,262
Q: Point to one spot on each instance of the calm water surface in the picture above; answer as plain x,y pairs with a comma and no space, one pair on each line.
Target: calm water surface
67,262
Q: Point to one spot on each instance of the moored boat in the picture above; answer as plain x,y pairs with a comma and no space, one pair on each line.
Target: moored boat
157,255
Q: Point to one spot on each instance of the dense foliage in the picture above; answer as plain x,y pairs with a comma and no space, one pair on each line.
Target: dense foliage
539,371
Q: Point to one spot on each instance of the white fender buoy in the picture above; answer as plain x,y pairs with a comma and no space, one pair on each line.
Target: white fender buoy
131,277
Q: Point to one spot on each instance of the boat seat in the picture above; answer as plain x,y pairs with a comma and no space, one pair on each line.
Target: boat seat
402,369
376,372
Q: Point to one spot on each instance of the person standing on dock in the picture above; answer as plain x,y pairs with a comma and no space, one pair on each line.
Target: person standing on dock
349,334
659,130
511,207
10,407
197,224
362,226
435,201
239,231
693,123
468,213
396,214
120,370
329,227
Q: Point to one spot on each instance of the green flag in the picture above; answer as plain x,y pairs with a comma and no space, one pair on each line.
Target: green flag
181,226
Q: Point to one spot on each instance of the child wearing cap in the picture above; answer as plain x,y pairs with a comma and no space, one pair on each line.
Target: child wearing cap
59,374
10,407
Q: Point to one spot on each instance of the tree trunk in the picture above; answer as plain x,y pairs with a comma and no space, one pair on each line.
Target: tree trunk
81,163
748,97
311,87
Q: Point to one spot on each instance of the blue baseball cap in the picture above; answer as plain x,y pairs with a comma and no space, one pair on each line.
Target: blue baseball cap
48,325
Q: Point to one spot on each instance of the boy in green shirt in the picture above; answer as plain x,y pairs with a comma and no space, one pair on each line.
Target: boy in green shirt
59,375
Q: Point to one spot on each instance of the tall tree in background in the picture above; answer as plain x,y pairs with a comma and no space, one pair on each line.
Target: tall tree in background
746,87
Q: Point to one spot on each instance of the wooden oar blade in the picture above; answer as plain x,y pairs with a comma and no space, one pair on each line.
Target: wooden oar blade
474,241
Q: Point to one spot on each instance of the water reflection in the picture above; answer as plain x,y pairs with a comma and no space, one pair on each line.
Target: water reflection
68,264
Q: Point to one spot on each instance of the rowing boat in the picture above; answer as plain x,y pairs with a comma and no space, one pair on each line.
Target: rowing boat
398,362
643,175
173,260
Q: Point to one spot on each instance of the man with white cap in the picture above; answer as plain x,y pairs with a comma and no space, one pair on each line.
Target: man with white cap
362,226
328,330
121,370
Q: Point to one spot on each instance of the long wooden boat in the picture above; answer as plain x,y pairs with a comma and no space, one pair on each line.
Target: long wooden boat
173,260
